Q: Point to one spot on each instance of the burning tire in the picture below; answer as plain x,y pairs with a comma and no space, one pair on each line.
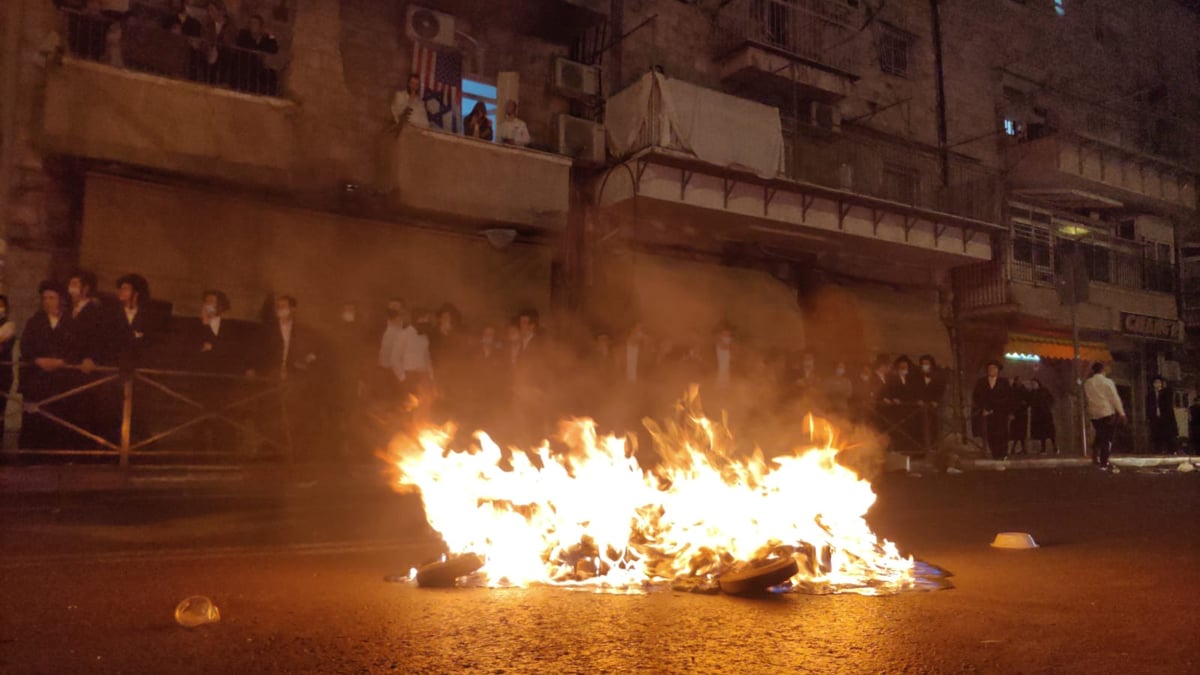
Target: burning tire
758,576
443,574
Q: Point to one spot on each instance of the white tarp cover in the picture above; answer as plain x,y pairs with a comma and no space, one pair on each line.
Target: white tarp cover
718,128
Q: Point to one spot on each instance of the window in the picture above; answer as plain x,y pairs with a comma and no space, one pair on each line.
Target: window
1060,7
1099,262
1031,253
475,92
1126,229
893,51
1013,128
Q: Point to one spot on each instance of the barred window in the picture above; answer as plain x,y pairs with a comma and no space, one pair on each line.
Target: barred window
893,52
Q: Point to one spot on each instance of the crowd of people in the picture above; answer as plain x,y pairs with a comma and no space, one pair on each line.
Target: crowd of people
200,43
420,365
411,107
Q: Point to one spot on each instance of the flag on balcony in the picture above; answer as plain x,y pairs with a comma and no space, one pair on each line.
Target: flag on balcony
440,73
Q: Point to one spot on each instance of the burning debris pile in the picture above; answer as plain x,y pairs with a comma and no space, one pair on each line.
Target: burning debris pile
700,520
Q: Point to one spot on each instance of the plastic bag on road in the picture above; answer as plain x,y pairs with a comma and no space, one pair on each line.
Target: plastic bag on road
196,611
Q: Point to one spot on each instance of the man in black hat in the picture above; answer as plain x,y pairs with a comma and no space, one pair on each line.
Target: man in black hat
48,346
991,403
899,403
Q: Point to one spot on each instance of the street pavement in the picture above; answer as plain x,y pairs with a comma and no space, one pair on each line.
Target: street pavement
89,581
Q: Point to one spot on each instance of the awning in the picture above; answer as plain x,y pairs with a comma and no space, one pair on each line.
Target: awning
1055,347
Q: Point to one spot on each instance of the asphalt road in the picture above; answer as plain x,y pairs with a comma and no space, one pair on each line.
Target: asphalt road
88,583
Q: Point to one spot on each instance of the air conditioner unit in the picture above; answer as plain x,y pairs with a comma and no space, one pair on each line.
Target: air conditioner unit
426,25
576,79
825,116
581,139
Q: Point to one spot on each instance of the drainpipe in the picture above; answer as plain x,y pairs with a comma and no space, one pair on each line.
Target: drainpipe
939,75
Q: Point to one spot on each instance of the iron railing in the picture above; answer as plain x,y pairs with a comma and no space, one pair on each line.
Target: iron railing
979,286
894,171
1104,265
108,412
140,42
812,30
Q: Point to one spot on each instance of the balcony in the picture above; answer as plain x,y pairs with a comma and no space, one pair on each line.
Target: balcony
717,161
780,46
897,172
1074,170
478,182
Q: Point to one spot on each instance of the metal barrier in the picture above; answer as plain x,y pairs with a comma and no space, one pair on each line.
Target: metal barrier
229,399
140,42
912,427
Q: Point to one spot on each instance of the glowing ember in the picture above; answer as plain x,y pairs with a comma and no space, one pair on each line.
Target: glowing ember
592,517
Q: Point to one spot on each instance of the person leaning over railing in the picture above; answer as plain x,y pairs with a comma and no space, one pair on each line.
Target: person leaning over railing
249,72
48,346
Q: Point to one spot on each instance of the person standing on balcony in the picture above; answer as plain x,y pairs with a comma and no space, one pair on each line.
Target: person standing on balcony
219,35
991,403
513,130
477,124
1105,410
250,73
407,107
179,16
1160,413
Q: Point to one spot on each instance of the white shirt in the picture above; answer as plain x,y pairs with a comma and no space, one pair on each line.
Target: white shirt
79,306
416,353
724,359
514,131
403,101
396,339
214,324
631,362
53,320
130,314
1102,398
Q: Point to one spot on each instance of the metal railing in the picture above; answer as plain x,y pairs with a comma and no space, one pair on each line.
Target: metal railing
103,411
894,171
1106,266
978,286
139,42
812,30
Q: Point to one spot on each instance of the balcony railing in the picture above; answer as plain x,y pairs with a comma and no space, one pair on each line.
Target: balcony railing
811,30
140,42
980,286
1106,266
895,172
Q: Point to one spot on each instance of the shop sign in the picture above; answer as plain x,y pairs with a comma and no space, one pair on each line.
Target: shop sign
1153,327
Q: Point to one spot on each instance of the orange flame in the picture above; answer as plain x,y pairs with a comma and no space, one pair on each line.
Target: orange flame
593,517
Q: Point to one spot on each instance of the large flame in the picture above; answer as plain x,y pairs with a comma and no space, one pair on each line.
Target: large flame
593,517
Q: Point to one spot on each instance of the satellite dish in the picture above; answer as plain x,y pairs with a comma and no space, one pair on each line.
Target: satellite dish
425,24
500,238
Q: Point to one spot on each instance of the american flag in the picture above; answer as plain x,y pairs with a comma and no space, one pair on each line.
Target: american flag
440,72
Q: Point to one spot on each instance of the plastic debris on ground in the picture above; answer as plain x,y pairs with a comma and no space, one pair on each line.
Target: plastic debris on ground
197,610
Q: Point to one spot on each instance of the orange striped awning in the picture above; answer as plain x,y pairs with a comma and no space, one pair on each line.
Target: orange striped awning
1055,347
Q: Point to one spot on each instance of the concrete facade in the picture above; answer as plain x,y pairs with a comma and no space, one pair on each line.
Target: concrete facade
881,200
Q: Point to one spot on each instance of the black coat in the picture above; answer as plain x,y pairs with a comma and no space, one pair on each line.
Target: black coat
270,352
1160,414
930,388
903,391
189,26
95,333
132,342
231,351
997,400
38,341
1041,407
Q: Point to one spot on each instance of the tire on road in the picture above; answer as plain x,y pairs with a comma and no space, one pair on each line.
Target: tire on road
443,574
757,578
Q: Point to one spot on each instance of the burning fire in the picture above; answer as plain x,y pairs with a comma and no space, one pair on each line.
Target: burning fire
592,517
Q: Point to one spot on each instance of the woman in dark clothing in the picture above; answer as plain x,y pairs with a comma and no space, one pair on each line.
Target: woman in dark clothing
1019,426
1160,414
477,124
1041,411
